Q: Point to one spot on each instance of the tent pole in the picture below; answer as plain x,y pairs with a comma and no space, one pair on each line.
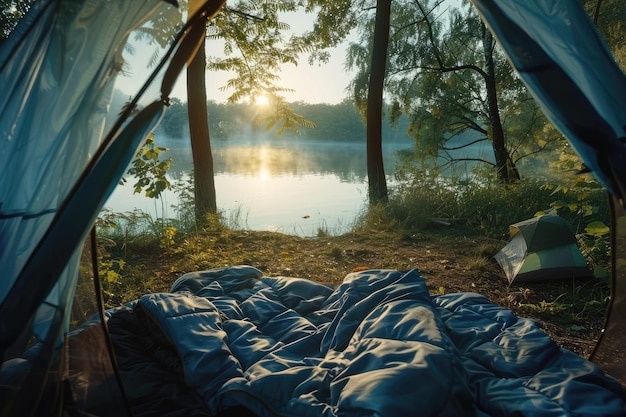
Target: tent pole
610,351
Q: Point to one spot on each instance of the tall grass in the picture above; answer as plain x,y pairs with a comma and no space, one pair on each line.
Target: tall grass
422,198
491,207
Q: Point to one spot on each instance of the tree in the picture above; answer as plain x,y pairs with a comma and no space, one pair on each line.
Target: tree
253,49
205,201
445,73
449,77
505,166
335,20
377,183
336,122
175,119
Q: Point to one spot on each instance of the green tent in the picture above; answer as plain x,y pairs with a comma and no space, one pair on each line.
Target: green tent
542,248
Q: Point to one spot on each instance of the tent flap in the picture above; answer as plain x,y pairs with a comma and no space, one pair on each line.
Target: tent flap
68,132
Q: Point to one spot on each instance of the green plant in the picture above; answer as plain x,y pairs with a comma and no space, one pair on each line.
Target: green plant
322,231
378,218
184,208
585,204
491,207
582,200
418,196
234,219
109,268
590,300
149,170
550,309
121,233
185,203
486,250
422,198
479,263
137,227
167,236
596,247
584,304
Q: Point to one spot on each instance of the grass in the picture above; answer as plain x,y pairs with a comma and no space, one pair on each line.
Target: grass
479,263
425,200
572,308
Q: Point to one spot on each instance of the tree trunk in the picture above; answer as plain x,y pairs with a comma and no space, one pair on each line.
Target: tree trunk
506,169
204,184
377,183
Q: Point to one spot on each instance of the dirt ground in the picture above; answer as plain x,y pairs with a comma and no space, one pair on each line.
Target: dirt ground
572,313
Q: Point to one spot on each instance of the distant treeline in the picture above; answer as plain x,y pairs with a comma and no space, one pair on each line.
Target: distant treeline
334,122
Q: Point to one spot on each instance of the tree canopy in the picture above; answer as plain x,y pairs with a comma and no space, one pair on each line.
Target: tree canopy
447,75
254,49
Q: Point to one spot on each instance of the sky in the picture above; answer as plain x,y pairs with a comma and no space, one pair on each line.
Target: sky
325,83
318,83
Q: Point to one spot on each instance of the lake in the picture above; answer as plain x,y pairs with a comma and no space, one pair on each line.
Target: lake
274,184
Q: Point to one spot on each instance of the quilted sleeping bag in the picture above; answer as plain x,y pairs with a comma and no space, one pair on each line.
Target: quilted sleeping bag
377,345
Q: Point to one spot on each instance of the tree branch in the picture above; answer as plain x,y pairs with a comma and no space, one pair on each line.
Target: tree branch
473,125
431,37
536,151
244,14
445,148
484,161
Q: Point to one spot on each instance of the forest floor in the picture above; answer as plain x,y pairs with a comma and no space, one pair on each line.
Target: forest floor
572,313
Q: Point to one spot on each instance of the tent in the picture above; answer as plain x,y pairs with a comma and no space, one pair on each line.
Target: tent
66,138
542,248
570,71
228,341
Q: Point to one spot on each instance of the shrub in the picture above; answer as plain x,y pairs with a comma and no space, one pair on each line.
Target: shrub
422,197
490,207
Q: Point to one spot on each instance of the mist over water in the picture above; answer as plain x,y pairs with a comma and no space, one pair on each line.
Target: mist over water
287,185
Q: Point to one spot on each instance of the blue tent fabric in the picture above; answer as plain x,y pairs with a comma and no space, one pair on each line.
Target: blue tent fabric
61,156
58,81
377,345
63,148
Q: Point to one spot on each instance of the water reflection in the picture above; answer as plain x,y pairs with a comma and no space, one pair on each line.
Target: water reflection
347,161
286,185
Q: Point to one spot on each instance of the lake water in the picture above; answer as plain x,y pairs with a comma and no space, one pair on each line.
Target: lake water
276,184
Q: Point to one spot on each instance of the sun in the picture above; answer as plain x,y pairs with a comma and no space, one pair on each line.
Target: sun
264,174
262,100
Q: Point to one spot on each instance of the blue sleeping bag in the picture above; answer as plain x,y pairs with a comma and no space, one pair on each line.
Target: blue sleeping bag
377,345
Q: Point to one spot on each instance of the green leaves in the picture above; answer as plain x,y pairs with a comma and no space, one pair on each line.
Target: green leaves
597,228
582,201
150,171
254,49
